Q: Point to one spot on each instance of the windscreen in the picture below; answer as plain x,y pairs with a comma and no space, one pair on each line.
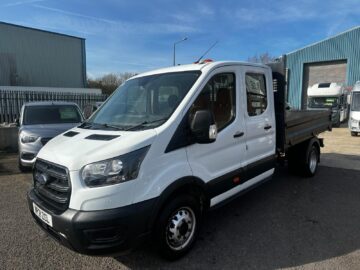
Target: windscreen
51,114
144,102
323,102
355,102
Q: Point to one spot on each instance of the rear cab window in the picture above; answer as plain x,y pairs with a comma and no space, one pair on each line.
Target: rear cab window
256,93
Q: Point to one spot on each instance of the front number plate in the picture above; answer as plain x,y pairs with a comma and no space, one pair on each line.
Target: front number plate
43,215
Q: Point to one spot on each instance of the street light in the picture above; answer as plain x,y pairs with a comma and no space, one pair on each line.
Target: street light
185,38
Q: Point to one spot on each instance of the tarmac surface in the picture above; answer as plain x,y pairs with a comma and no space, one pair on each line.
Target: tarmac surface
288,222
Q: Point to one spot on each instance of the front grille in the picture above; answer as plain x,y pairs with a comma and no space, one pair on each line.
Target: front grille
52,185
45,140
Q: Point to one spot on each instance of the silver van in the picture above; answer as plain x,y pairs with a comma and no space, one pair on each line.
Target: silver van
41,121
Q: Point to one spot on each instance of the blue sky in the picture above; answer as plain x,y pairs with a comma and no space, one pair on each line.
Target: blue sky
135,36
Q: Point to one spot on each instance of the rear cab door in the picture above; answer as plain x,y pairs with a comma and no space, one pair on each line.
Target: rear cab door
259,117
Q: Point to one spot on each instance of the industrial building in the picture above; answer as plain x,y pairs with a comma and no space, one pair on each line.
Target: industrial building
336,59
38,58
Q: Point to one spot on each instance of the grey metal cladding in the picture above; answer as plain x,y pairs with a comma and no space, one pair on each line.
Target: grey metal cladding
31,57
344,46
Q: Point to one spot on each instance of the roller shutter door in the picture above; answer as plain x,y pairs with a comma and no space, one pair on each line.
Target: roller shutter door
334,71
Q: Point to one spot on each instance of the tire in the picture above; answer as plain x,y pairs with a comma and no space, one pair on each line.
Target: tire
353,133
303,159
311,161
178,226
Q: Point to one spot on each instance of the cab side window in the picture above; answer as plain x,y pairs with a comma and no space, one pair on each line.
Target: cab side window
256,93
218,96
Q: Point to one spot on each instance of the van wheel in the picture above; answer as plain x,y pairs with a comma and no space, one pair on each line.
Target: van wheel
311,161
303,159
353,133
178,226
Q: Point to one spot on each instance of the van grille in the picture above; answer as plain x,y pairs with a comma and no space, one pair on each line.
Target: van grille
52,185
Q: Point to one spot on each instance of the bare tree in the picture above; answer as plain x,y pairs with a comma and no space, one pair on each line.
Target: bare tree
263,58
109,82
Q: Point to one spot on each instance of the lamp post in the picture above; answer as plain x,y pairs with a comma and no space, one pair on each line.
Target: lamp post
185,38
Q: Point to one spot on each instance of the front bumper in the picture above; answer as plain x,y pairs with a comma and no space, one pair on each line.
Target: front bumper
28,152
355,127
27,159
105,232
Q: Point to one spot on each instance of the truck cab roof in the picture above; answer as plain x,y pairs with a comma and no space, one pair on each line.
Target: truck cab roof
326,89
356,87
48,103
202,66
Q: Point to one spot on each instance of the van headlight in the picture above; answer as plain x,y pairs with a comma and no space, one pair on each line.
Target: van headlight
27,138
353,121
115,170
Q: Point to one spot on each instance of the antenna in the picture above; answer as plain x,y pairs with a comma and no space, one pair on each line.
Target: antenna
208,50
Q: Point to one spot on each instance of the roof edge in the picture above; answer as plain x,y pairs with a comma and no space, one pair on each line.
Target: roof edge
326,39
40,30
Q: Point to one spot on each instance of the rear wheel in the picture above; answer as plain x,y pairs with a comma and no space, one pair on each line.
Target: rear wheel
304,158
312,161
178,225
353,133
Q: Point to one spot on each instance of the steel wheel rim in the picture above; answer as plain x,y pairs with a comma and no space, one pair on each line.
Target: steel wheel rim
313,161
180,228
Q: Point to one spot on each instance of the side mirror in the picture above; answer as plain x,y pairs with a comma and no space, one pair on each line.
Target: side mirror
88,111
203,127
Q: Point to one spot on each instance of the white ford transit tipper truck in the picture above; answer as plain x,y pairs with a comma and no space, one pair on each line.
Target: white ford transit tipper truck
165,147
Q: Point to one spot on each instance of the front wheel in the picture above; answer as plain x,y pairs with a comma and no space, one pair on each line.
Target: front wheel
353,133
178,226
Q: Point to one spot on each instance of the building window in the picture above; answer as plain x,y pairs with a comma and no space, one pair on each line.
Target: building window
218,96
256,93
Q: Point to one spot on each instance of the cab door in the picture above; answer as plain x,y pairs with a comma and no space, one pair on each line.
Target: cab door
218,162
259,118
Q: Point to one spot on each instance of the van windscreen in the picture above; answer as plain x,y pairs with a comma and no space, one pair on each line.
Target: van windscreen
355,102
144,102
51,114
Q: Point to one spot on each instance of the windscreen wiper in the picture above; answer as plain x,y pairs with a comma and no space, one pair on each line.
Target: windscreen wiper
145,123
92,124
85,124
109,126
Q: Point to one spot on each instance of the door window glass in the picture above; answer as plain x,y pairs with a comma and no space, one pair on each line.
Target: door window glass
218,96
256,93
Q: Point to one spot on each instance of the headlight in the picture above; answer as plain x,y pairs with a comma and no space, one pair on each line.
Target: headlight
28,138
115,170
353,121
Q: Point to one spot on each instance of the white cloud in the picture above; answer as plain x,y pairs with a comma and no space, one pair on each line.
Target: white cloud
90,24
19,3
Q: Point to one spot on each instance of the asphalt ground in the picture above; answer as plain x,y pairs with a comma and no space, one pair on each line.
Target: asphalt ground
288,222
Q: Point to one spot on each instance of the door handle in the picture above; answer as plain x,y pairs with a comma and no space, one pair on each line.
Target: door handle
267,127
238,134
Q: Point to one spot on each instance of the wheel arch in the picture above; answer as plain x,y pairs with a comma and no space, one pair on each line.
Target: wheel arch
188,185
